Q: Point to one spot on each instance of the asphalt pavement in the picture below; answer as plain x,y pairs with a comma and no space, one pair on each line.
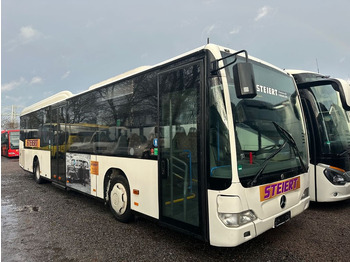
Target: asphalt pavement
45,223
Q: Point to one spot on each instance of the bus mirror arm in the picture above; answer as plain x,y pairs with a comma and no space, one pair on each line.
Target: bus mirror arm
215,64
243,75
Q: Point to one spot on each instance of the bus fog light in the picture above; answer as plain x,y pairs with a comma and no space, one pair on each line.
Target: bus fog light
237,219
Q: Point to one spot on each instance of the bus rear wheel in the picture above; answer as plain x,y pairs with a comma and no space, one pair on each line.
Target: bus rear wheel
119,199
36,171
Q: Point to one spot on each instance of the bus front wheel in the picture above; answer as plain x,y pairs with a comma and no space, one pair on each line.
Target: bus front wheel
36,171
119,199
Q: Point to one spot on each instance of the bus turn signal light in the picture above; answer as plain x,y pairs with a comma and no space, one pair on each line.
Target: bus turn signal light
337,168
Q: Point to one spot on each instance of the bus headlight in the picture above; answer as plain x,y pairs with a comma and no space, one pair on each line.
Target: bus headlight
335,176
237,219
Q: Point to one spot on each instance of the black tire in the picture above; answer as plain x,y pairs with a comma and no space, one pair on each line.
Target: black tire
36,172
119,199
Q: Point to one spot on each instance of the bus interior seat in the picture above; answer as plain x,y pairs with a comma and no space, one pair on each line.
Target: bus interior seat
180,138
135,142
121,147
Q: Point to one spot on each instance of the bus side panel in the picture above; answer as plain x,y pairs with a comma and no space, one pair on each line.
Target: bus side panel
27,158
21,159
142,176
45,163
94,173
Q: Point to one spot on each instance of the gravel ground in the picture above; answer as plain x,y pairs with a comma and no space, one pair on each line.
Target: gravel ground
45,223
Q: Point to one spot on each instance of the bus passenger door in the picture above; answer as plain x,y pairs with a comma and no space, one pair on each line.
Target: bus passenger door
178,145
58,147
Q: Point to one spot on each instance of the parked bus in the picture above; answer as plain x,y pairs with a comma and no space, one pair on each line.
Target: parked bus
9,143
326,104
196,142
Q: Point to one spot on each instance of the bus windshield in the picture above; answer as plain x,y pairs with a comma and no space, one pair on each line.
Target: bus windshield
333,122
14,140
270,137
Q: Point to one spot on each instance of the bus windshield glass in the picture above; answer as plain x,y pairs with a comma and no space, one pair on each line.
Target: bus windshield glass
14,140
270,137
332,121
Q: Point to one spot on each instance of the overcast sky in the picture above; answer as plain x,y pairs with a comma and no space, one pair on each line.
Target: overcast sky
51,46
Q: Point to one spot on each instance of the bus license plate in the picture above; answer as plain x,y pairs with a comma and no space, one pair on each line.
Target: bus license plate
282,219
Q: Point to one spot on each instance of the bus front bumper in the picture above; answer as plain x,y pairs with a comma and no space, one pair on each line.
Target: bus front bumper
223,236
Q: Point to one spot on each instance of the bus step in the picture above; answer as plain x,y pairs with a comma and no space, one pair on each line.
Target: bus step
180,199
63,187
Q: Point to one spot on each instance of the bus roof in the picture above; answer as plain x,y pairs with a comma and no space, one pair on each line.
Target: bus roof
344,85
121,76
211,47
215,49
297,71
138,70
47,101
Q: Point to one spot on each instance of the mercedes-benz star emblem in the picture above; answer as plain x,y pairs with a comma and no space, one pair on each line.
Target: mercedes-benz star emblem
283,201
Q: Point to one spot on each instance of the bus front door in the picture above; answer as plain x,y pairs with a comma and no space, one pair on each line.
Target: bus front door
178,146
58,152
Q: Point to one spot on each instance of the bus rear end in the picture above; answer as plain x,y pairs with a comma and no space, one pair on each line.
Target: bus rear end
258,151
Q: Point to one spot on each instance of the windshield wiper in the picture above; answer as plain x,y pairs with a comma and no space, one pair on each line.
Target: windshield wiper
264,164
346,151
288,137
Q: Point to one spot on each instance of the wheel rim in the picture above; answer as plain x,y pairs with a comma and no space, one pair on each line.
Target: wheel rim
119,198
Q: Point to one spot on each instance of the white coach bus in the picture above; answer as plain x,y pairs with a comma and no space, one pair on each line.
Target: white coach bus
194,142
326,104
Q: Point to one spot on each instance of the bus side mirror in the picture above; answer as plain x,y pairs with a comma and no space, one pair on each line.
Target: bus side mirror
244,80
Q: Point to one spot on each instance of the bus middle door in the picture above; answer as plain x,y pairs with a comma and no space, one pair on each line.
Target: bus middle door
58,148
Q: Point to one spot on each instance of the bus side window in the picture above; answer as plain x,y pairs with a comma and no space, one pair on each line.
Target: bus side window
122,145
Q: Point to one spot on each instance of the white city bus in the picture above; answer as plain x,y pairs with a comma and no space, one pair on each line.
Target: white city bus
326,104
192,142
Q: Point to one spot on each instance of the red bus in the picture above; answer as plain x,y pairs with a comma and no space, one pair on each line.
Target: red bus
10,143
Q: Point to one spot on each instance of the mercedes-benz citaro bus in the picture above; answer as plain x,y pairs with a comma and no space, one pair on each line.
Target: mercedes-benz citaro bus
326,103
212,143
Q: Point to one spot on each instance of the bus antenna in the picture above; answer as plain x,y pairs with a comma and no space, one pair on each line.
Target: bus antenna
318,69
208,40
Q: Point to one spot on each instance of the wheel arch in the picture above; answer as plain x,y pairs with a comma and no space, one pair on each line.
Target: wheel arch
35,162
110,174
